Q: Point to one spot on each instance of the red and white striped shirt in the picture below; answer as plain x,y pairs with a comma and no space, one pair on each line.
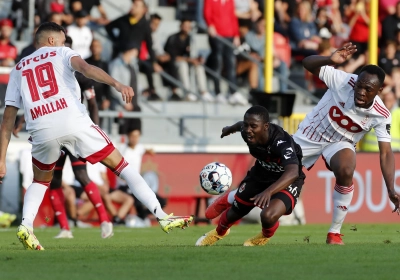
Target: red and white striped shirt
336,118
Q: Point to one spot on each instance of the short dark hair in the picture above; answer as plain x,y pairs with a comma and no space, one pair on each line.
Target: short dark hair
155,16
48,26
68,40
374,70
184,19
260,111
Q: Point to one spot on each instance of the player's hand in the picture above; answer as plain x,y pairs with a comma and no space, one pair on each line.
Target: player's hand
343,53
262,199
17,129
126,91
395,198
3,171
227,130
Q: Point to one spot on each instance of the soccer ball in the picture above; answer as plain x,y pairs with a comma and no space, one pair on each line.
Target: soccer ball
215,178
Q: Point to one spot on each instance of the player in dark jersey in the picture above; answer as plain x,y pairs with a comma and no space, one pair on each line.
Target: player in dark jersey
274,182
78,167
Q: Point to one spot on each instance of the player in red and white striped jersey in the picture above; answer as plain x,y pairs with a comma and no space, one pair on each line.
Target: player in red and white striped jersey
349,109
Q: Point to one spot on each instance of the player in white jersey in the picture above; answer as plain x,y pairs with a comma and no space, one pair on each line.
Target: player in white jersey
45,85
349,109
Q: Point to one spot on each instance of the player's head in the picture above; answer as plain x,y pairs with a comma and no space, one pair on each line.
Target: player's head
255,125
133,137
369,84
50,34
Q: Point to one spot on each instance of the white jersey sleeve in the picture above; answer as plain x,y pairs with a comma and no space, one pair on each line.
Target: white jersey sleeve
333,78
67,54
13,93
382,130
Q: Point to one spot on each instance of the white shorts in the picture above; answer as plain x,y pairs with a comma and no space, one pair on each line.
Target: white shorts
90,144
312,150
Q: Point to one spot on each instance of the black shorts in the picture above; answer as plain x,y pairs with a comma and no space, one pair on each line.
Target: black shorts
250,188
75,162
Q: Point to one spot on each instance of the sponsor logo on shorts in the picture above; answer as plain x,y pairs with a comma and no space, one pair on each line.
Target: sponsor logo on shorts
343,208
388,128
242,187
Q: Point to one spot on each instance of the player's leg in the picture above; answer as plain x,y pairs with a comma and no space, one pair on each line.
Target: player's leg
343,164
44,157
282,203
93,145
219,205
240,207
143,192
93,193
57,199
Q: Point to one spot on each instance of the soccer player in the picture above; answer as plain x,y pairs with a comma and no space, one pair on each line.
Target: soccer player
274,182
79,168
45,85
350,108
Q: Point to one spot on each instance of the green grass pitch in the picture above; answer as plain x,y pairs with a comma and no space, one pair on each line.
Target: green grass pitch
295,252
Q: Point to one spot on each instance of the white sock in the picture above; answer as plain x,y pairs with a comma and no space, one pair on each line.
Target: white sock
32,200
341,201
231,196
142,191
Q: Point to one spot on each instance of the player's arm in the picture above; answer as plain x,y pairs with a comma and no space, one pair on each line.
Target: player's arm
227,130
93,110
97,74
7,125
388,169
18,125
313,63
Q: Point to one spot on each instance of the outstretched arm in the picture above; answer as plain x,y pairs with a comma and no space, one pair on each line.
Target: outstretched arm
227,130
388,169
10,114
313,63
97,74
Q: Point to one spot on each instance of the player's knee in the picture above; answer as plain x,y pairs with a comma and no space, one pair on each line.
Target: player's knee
269,218
130,199
82,177
345,172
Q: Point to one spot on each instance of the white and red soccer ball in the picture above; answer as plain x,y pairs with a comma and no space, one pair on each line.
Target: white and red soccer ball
215,178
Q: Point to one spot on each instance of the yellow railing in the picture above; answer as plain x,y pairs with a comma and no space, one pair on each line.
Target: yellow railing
290,124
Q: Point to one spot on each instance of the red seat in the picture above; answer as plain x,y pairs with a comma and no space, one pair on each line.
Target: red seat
282,48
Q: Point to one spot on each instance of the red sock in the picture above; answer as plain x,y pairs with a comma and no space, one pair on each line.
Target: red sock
269,232
94,195
223,224
57,201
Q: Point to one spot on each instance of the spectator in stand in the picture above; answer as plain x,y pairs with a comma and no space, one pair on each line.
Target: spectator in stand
123,68
81,34
247,9
50,7
28,50
390,25
359,26
102,90
145,64
20,16
256,41
178,47
303,32
339,28
8,54
322,20
222,22
133,28
87,6
386,7
244,66
389,61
